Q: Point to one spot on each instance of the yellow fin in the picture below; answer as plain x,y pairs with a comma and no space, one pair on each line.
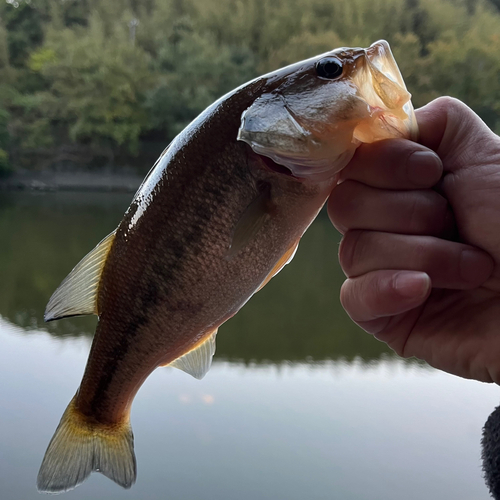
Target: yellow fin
251,221
80,447
198,360
77,294
285,259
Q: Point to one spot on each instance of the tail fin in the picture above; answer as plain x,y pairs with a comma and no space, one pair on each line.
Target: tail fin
80,447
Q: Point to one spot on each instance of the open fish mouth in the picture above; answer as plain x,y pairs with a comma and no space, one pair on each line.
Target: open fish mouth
379,55
270,164
382,87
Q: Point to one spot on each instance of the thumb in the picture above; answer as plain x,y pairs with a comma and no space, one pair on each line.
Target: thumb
455,133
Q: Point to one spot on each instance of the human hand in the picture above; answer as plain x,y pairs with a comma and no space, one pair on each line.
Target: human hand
423,264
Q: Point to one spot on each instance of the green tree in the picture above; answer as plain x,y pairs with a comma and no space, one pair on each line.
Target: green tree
6,76
24,23
106,75
96,84
194,70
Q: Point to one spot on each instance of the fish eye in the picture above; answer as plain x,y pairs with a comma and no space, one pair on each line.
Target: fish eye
329,68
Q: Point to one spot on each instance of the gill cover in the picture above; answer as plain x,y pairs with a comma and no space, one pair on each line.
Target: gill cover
291,130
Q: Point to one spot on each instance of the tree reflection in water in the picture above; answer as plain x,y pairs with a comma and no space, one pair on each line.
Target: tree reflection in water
296,317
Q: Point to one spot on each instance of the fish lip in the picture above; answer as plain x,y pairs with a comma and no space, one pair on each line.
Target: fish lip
389,101
382,50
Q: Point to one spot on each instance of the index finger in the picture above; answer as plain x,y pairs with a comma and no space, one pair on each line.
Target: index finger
394,164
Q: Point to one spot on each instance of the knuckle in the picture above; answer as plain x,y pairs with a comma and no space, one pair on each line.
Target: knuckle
376,296
454,108
353,297
345,298
349,249
459,116
427,213
414,215
343,203
449,102
369,294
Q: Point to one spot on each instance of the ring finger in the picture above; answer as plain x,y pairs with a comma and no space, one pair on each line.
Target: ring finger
448,264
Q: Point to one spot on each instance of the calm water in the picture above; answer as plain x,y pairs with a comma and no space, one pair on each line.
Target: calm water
299,403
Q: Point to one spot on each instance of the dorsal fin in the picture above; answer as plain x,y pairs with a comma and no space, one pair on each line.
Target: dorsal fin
198,360
77,293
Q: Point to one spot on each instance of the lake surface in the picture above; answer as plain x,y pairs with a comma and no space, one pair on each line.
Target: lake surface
299,403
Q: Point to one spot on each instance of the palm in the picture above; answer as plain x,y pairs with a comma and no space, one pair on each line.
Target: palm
453,329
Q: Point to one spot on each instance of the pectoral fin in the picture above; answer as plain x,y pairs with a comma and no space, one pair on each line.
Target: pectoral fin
198,360
77,294
251,221
285,259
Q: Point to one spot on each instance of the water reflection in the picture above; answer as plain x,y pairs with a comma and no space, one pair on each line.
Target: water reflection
296,317
308,406
287,432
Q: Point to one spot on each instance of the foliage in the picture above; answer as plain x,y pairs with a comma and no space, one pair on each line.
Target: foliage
113,74
195,70
97,84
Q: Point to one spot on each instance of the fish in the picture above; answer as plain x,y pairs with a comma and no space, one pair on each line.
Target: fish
220,213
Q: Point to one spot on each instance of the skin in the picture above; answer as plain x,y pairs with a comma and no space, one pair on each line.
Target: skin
420,247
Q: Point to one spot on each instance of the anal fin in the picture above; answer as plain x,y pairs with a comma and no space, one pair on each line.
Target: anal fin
198,360
77,294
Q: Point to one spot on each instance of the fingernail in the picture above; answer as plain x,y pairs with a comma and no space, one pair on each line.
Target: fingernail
411,284
475,266
424,168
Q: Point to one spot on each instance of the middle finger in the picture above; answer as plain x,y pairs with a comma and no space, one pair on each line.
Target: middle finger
353,205
394,164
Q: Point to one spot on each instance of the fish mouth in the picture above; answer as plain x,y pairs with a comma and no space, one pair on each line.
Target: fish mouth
379,55
382,88
276,167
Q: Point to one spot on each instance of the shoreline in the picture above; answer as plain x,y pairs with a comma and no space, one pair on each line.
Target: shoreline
72,181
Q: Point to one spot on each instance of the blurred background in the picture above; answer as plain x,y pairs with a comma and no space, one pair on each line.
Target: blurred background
100,83
300,403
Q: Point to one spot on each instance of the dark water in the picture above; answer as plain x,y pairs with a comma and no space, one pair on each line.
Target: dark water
298,404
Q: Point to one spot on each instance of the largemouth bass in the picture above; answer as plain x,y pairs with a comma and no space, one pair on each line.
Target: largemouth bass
220,213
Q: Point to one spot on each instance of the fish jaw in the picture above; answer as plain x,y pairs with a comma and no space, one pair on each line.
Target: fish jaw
313,126
383,89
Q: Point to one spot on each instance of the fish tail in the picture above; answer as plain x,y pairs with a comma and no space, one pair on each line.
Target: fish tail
80,446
